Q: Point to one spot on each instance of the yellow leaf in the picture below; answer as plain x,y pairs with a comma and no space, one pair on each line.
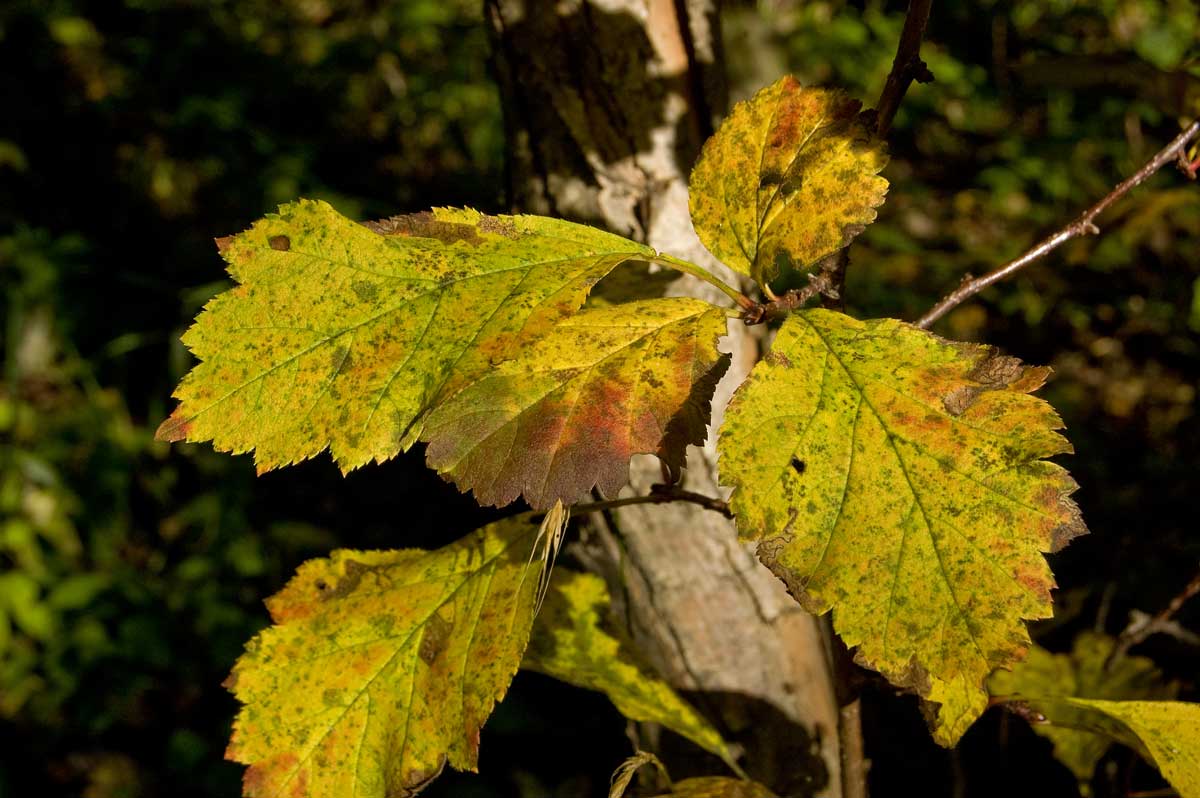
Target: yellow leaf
1044,679
898,479
791,176
383,666
567,412
1168,731
343,335
717,787
570,642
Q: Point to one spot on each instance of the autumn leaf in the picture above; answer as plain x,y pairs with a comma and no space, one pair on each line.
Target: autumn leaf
570,642
1044,680
717,787
381,667
1167,732
569,409
898,479
790,177
342,335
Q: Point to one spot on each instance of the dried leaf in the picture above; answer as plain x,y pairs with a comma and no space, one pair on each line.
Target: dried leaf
898,478
791,176
383,666
571,642
343,336
568,410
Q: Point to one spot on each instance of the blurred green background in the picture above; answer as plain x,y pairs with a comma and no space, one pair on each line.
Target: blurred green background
133,132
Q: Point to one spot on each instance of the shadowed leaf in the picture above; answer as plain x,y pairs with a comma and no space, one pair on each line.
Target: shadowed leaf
1166,732
568,410
571,643
343,335
382,666
1043,680
717,787
791,176
898,479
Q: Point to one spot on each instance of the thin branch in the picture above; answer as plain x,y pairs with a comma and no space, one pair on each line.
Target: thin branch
659,494
906,67
1139,630
1084,225
819,284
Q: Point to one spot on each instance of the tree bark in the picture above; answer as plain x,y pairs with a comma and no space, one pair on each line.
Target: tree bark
607,103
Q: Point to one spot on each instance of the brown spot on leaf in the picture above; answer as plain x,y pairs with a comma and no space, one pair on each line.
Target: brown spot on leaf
353,576
223,242
993,372
434,639
280,243
416,782
174,428
778,359
498,226
426,225
1070,529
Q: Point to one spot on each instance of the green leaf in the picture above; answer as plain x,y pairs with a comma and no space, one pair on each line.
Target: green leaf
897,478
568,410
790,177
1167,731
383,666
343,335
571,642
1045,680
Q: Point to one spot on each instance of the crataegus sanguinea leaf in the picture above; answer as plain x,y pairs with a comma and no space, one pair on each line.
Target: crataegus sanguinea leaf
567,411
791,176
1166,732
897,478
344,335
571,642
1043,680
382,666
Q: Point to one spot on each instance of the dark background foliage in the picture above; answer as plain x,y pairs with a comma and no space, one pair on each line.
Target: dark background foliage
133,133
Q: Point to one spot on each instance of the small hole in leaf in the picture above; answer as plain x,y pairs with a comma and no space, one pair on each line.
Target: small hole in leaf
799,465
322,584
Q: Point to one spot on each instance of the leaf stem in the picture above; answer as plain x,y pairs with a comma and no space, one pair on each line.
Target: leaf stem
680,265
1084,225
659,494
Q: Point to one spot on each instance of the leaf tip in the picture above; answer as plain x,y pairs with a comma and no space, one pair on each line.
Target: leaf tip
175,428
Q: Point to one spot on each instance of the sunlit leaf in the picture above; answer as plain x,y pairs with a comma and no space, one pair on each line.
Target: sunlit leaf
791,176
343,335
383,666
1043,680
567,412
898,479
570,642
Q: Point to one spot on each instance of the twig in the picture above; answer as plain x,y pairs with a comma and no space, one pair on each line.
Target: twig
659,494
1138,631
1084,225
906,67
780,306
